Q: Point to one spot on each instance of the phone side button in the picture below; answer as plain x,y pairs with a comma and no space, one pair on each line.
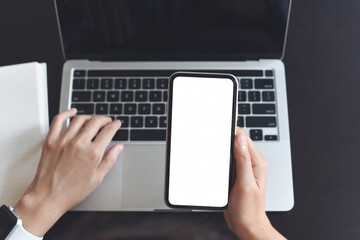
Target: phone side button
148,135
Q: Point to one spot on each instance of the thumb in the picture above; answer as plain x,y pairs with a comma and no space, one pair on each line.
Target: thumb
244,172
109,159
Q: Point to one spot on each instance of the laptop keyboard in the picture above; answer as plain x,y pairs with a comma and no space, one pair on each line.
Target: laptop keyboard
138,99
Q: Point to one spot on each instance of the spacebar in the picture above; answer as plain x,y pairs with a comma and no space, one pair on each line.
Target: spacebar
148,135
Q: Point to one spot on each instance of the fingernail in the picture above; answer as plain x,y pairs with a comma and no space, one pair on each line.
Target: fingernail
241,139
119,148
119,121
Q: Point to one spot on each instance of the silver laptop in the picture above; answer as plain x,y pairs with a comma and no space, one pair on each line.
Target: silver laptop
119,55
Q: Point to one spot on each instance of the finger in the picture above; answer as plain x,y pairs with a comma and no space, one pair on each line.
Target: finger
227,220
109,159
254,151
106,134
58,123
259,163
92,127
244,173
76,125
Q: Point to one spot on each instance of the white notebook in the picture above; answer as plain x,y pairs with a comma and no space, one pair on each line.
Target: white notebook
23,126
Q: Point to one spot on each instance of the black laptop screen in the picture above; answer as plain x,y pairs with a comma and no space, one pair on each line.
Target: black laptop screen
172,29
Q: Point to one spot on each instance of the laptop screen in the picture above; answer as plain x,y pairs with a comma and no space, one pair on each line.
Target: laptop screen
209,30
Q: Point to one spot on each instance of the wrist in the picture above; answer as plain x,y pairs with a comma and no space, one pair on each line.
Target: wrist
259,230
37,214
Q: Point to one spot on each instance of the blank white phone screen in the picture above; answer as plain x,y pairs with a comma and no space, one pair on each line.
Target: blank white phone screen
201,125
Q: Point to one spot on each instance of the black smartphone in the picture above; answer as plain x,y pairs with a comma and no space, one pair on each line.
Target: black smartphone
201,121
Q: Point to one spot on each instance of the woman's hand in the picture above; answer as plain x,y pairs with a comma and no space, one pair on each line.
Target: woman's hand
72,165
246,215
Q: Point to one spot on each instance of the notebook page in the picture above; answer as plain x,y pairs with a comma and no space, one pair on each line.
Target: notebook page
23,126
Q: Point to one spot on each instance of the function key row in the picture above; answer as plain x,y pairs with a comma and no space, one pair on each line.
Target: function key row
120,83
258,83
117,73
255,96
116,96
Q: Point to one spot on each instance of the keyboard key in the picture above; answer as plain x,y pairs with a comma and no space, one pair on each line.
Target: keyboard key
162,122
92,83
260,122
112,118
124,121
148,135
130,108
127,96
158,109
244,109
148,83
162,83
99,96
120,83
121,135
140,96
78,83
137,122
106,83
134,83
144,108
151,122
264,83
79,73
256,134
102,109
84,108
271,138
113,96
242,96
116,108
268,96
165,96
269,73
81,96
246,83
254,96
240,121
155,96
263,108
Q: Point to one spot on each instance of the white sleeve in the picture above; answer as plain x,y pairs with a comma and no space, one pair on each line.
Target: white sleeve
19,233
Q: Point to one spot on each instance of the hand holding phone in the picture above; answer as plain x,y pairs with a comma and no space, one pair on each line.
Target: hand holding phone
200,131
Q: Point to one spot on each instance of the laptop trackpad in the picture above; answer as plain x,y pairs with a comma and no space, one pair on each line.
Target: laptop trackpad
143,176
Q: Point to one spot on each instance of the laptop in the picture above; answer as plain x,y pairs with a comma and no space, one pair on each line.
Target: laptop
119,55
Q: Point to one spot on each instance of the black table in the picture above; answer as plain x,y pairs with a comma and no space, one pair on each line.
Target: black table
323,82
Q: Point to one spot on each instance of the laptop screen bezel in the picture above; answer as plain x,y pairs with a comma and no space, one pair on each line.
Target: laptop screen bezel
179,57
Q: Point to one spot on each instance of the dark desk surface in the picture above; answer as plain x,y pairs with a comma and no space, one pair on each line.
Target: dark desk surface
323,78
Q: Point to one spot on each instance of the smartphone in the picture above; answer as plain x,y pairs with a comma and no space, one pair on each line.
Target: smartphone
201,121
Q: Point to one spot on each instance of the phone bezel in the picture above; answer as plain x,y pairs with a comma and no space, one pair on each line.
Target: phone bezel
168,133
